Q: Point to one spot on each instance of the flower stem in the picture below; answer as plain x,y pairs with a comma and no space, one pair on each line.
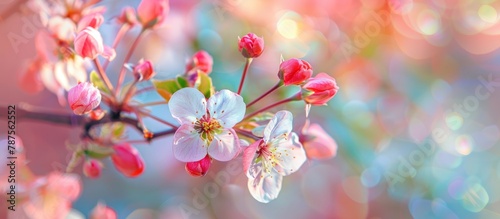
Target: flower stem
153,104
245,70
297,96
103,75
119,36
121,76
159,119
246,134
278,85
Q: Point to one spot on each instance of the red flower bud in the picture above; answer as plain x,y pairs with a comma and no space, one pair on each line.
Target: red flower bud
202,61
199,168
152,12
127,160
92,168
319,90
251,46
83,98
294,71
144,70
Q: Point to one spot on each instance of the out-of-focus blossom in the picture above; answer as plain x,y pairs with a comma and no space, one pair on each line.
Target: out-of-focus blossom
62,28
127,160
144,70
199,168
83,98
101,211
152,13
88,44
206,126
30,79
94,20
128,16
251,46
319,90
279,153
92,168
202,61
51,196
317,143
294,71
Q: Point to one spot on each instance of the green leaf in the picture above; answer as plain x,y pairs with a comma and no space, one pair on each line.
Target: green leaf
98,152
167,88
95,79
118,129
262,117
204,84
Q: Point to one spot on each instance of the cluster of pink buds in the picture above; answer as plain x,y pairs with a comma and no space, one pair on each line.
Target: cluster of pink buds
210,125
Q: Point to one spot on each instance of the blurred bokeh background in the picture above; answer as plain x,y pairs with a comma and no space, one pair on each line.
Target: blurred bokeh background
416,118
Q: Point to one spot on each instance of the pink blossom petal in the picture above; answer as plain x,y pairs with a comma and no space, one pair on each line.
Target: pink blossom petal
279,126
187,105
227,107
321,146
109,53
188,146
292,155
249,154
224,146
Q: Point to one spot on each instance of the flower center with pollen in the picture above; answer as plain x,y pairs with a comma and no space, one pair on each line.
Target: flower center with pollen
207,128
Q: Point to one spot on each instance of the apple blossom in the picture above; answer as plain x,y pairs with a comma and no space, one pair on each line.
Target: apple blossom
152,13
279,153
206,126
94,20
92,168
319,90
294,71
128,16
199,168
251,46
127,160
83,98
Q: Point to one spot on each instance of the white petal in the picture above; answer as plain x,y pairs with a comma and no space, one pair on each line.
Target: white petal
265,187
227,107
225,146
187,105
188,145
259,131
279,126
291,155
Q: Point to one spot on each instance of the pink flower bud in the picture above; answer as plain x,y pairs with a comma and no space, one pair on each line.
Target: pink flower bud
101,211
83,98
202,61
319,90
317,143
294,71
127,160
88,43
144,70
128,16
251,46
152,12
199,168
92,168
93,20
